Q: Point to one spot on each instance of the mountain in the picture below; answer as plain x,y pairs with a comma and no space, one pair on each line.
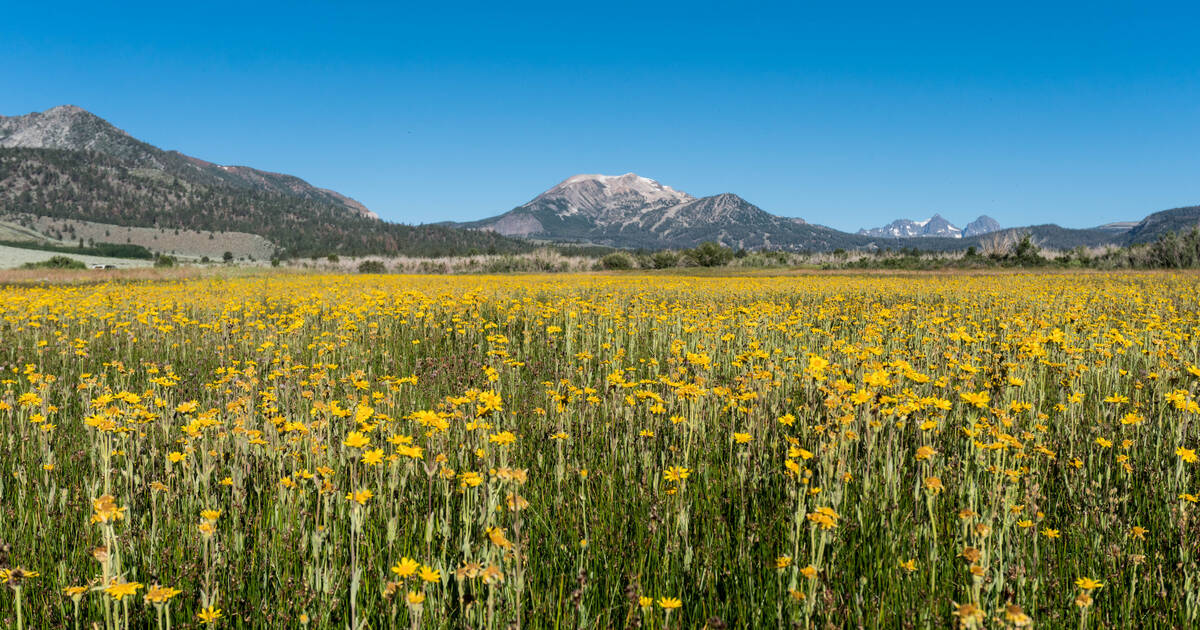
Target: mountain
1046,235
1161,223
71,128
906,228
983,225
935,226
608,198
634,211
70,164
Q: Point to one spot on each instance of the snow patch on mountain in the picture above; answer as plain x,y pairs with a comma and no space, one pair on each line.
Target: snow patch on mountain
934,226
608,198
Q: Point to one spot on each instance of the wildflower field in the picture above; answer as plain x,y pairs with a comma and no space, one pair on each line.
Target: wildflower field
305,451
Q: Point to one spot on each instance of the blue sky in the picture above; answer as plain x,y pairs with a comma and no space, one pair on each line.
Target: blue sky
848,115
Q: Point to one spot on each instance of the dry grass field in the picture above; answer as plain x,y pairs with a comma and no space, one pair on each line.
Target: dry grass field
181,243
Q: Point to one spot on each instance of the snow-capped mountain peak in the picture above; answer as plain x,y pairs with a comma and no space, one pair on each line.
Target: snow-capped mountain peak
631,210
936,225
608,198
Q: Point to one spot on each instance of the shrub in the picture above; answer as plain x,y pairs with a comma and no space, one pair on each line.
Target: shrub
1026,253
616,261
510,264
710,254
664,259
56,262
372,266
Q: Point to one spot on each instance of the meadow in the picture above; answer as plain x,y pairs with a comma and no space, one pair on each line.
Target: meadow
601,451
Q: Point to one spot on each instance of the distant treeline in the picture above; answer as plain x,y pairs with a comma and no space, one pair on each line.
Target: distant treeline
109,250
1172,250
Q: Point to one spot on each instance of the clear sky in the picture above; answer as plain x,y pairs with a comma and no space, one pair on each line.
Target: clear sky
846,114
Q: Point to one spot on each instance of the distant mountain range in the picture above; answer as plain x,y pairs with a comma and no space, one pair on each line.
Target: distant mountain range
934,226
632,211
67,163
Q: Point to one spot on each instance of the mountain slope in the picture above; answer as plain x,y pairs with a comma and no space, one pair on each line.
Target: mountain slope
67,163
1160,223
71,128
94,187
1049,236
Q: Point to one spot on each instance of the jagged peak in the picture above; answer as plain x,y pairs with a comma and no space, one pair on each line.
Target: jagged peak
67,109
936,225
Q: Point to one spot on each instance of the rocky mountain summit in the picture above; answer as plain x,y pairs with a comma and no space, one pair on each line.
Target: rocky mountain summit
935,226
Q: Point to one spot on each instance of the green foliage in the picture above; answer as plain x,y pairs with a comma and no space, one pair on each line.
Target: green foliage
710,254
164,261
764,259
1171,251
108,250
617,261
519,264
56,262
372,266
1026,254
664,259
